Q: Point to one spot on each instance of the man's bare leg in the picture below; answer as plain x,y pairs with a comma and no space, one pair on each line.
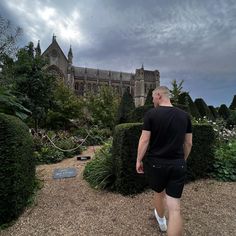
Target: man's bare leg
175,223
159,203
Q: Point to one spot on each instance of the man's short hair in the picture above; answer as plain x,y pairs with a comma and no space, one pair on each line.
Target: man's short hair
163,90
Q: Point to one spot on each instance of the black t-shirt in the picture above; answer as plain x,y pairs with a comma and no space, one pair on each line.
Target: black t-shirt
168,126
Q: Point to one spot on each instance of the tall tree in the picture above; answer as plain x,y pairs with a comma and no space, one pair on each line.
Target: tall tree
176,90
32,85
8,37
65,106
148,100
126,106
101,107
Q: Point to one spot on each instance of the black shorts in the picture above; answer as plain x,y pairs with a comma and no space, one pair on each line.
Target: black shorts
167,174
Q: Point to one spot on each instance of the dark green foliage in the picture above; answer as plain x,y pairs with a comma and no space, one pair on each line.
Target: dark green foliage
125,107
225,162
10,106
101,108
185,99
97,136
224,112
203,109
231,121
176,91
201,159
233,104
100,171
124,153
214,112
32,85
17,169
138,113
148,100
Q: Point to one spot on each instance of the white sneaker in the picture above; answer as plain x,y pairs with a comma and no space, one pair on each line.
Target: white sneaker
161,222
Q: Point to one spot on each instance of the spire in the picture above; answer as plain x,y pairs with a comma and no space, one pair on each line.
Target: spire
38,49
70,55
53,38
142,67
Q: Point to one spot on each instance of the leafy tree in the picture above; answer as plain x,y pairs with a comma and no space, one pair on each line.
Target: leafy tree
176,90
125,107
100,109
148,100
10,106
65,106
8,37
233,104
32,85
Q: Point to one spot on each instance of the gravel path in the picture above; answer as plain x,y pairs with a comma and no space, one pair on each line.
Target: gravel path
70,207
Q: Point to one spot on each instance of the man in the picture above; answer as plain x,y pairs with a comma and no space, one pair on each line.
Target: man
167,131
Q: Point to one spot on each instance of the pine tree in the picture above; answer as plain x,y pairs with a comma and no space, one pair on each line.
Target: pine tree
148,100
125,107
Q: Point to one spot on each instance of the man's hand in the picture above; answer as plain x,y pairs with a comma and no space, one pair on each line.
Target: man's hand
139,167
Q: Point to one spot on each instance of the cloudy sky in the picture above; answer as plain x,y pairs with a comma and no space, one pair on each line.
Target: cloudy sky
194,41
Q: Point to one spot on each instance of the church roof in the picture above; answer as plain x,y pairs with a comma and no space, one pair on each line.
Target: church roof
53,45
102,74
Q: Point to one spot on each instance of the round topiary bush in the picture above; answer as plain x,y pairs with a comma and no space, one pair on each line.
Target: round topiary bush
17,169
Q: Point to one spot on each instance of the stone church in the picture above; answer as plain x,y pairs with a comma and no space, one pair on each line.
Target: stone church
82,79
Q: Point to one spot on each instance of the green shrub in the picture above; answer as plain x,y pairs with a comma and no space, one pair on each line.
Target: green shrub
225,162
201,159
203,109
231,121
100,171
17,169
224,112
124,153
185,99
97,136
214,112
48,155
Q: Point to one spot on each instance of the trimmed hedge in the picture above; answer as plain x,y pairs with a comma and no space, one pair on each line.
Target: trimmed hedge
203,109
124,152
224,112
201,159
185,99
17,169
214,112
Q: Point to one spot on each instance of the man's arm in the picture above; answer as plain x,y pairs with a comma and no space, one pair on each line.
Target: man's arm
187,145
142,148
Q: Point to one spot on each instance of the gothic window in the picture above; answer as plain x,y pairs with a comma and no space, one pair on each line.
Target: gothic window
76,86
81,89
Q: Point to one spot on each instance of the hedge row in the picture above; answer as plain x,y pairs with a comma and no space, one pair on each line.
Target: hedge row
124,152
17,169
